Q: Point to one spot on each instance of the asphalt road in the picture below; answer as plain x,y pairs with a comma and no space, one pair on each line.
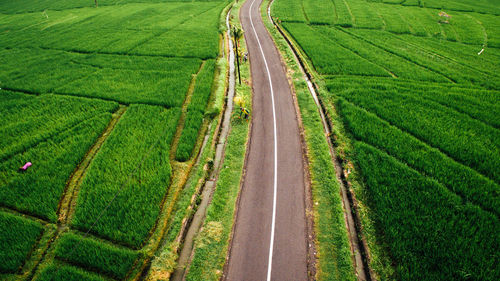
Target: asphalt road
269,241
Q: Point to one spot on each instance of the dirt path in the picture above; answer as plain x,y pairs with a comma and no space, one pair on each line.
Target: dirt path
269,241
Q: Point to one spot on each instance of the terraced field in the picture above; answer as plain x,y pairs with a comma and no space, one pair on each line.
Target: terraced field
109,104
413,88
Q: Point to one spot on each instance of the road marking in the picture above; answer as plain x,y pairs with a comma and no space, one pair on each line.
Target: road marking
271,244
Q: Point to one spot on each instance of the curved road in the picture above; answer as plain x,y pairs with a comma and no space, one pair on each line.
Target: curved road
269,241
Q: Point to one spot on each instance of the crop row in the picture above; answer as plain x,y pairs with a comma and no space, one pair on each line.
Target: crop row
467,140
29,120
43,5
17,238
328,56
450,67
191,29
481,6
398,66
478,103
430,233
95,255
196,111
339,51
63,272
131,173
461,27
126,79
469,184
54,156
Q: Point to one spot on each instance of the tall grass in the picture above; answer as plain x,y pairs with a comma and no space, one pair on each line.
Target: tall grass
196,111
17,238
54,156
134,165
95,255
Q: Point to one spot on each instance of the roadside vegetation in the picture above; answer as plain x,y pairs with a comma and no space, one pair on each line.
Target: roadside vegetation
333,257
132,80
411,91
212,243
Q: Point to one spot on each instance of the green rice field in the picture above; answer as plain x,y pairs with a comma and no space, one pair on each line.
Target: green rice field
416,88
110,105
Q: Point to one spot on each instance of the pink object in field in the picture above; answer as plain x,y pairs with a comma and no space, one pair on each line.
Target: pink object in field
26,166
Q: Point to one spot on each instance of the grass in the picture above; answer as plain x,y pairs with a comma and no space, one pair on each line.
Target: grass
18,237
441,127
54,152
212,242
95,255
61,272
430,161
29,120
427,224
321,50
196,111
134,159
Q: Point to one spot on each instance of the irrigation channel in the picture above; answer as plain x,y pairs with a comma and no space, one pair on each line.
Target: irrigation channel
357,244
208,188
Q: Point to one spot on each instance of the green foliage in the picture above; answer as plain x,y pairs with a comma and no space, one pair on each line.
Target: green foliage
481,6
448,66
390,62
133,86
38,71
135,160
60,272
95,255
195,111
202,29
344,15
397,19
189,135
469,184
319,11
203,87
289,11
25,6
432,235
452,132
54,152
29,120
321,50
17,238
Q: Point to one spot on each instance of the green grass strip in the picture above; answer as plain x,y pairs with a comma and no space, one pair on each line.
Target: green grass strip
16,241
58,272
95,255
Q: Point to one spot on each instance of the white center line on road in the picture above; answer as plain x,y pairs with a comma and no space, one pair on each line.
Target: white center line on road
271,243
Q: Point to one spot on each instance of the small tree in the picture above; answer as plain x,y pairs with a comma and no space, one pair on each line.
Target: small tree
96,3
237,33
